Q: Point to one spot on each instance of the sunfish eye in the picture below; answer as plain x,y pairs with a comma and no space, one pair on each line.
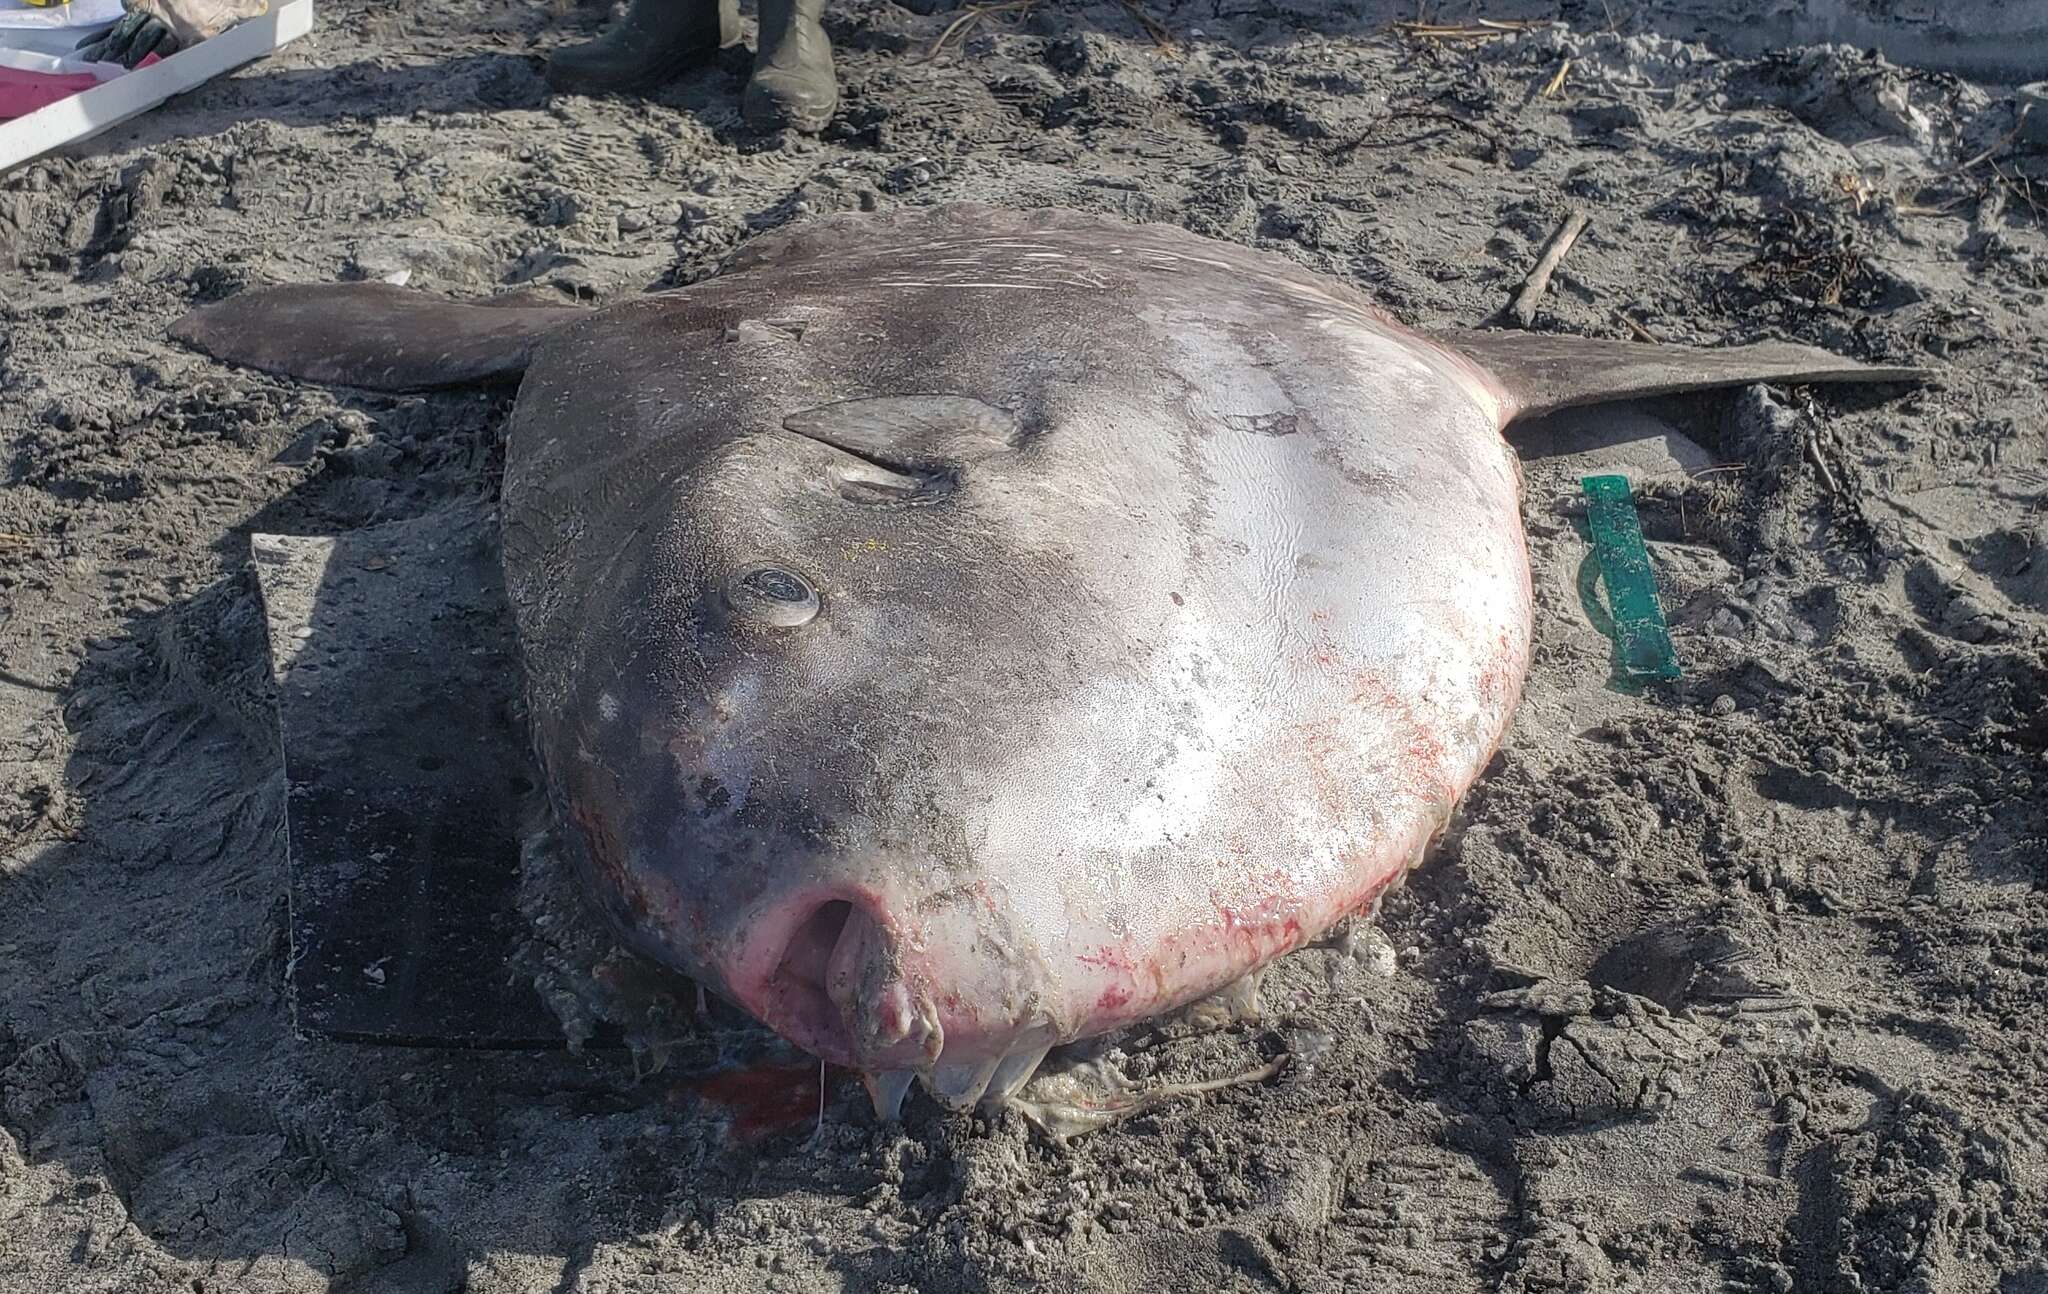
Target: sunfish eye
777,586
769,595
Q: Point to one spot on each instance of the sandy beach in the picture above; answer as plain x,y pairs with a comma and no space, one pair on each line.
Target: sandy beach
1736,984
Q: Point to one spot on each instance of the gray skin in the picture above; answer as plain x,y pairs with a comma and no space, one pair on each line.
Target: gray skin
954,633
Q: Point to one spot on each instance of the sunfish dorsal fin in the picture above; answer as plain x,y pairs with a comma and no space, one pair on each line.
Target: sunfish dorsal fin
1542,372
372,335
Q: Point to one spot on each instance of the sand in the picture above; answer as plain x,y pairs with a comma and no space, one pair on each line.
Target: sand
1740,984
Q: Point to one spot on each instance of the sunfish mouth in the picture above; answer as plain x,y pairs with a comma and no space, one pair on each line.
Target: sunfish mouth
838,988
829,970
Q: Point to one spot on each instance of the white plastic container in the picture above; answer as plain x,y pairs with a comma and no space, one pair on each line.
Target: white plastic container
110,103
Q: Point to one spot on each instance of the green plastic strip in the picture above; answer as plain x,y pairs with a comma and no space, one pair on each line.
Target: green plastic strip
1639,628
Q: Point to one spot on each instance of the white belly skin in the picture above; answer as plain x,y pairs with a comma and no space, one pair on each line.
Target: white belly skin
1341,662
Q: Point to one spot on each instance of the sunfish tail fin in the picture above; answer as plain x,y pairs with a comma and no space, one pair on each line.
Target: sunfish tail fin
1539,372
372,335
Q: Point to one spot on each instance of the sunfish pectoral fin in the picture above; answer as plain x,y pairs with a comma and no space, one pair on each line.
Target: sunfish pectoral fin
372,335
1541,372
911,433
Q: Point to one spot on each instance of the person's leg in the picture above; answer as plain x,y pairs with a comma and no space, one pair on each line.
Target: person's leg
655,42
793,85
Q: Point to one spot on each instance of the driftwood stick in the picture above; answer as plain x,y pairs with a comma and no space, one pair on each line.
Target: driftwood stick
1523,310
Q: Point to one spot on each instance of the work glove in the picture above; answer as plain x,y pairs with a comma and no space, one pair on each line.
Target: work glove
163,27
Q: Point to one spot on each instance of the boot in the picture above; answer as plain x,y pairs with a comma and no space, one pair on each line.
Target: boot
657,41
793,86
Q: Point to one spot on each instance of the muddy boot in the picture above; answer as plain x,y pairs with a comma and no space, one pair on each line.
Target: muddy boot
657,41
793,86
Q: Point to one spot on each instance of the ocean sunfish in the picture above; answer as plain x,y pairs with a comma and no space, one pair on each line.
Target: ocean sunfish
953,633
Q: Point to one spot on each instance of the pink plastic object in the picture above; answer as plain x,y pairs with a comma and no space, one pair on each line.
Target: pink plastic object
23,92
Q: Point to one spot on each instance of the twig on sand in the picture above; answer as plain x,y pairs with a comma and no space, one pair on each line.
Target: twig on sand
1494,145
968,17
1642,333
1961,168
1523,309
1482,29
2020,184
8,539
2019,124
1153,27
1820,463
1557,82
1915,209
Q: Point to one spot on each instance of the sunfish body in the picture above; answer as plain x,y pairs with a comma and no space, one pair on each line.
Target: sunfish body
956,633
